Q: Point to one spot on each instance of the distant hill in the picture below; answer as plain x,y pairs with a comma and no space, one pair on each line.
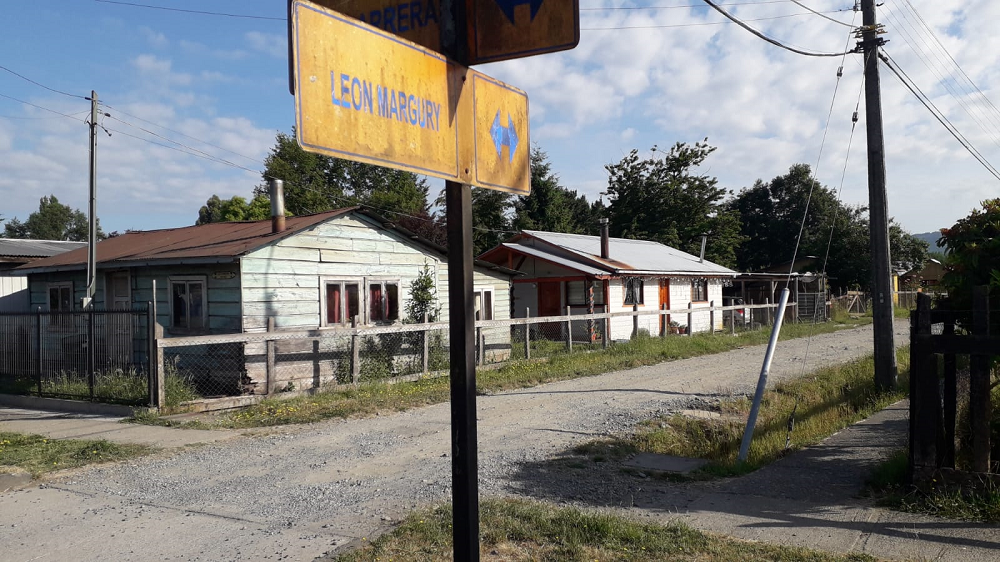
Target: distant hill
931,238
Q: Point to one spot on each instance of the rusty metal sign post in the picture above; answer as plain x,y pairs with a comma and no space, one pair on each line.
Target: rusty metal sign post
399,93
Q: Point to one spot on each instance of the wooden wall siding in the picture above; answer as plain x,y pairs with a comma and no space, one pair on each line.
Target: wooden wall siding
14,294
283,280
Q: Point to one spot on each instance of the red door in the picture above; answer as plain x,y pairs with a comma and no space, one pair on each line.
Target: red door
664,301
549,301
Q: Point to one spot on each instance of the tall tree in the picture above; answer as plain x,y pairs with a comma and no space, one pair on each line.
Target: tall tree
771,216
53,221
235,208
973,245
491,220
666,200
550,206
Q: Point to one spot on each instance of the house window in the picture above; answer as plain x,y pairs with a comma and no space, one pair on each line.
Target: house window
343,302
383,301
188,307
699,291
576,292
484,304
61,297
633,290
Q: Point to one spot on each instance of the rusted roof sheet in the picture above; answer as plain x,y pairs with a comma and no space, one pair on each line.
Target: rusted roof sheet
12,247
220,241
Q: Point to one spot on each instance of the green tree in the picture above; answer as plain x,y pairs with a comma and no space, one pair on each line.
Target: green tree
666,200
771,216
973,245
53,221
550,206
491,220
423,298
233,209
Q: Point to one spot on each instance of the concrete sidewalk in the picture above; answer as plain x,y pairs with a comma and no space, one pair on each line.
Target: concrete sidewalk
60,425
811,499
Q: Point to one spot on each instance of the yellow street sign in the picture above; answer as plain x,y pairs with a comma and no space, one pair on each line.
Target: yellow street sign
366,95
502,29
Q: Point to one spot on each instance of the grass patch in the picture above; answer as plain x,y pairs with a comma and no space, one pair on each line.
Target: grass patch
37,454
380,396
118,386
523,530
888,484
824,402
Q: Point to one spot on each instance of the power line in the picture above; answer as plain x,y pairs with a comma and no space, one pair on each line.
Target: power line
136,117
770,40
823,15
929,105
611,8
696,24
40,85
199,12
75,118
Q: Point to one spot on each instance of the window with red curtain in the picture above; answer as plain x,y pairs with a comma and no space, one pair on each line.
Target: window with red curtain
333,312
376,305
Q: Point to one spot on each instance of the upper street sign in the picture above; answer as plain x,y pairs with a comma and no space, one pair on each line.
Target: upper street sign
502,29
367,95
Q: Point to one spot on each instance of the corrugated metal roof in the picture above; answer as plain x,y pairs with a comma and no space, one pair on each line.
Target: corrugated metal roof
558,260
206,241
12,247
632,256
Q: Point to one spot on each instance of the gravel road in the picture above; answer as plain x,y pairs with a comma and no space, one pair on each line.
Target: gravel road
299,492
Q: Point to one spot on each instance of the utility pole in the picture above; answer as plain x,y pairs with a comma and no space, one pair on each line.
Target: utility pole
878,214
92,235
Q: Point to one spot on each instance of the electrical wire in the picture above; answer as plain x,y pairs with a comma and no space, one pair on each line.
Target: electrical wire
823,15
199,12
42,108
611,8
929,105
697,24
40,85
774,42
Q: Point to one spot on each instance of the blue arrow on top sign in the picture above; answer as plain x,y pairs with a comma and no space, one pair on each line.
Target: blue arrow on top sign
504,136
508,7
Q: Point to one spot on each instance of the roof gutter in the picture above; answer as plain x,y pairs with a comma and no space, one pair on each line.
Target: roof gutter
118,264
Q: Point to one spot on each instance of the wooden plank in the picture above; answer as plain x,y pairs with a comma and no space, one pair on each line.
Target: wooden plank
286,253
924,399
974,344
950,398
348,256
270,294
979,384
266,281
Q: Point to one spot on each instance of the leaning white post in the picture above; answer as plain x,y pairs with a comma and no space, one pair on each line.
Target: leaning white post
762,381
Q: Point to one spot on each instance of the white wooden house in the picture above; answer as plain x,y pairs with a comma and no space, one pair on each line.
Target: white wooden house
319,272
600,274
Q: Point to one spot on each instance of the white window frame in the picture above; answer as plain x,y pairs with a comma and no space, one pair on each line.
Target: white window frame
203,279
369,281
481,293
342,281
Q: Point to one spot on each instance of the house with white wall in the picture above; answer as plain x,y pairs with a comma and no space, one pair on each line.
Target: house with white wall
588,274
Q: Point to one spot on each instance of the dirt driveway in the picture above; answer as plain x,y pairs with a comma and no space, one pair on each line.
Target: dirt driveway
300,492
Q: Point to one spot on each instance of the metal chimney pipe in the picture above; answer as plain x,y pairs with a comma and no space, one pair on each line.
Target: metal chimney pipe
276,189
704,240
605,239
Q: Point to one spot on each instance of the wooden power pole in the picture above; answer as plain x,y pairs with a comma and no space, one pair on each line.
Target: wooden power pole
878,214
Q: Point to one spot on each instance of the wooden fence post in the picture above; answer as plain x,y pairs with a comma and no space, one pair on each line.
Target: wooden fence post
569,330
481,344
663,320
161,371
527,335
925,402
271,378
690,318
355,351
427,347
767,312
635,320
950,398
979,384
711,317
606,333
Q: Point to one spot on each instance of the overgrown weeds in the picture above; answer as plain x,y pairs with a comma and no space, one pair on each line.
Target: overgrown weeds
525,530
823,403
38,454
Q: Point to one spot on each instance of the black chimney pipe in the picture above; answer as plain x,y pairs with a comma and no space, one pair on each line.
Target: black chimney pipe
605,240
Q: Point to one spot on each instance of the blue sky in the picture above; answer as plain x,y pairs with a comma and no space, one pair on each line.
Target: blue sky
220,84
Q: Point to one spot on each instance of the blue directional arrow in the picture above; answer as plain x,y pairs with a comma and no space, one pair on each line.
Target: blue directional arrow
504,136
508,7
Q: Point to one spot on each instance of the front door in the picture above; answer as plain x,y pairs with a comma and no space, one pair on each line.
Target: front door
549,304
664,302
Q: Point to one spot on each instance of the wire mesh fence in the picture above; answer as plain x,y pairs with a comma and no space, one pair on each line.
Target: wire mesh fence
99,355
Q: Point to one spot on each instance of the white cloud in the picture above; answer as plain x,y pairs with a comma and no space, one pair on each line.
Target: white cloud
155,38
159,71
269,43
